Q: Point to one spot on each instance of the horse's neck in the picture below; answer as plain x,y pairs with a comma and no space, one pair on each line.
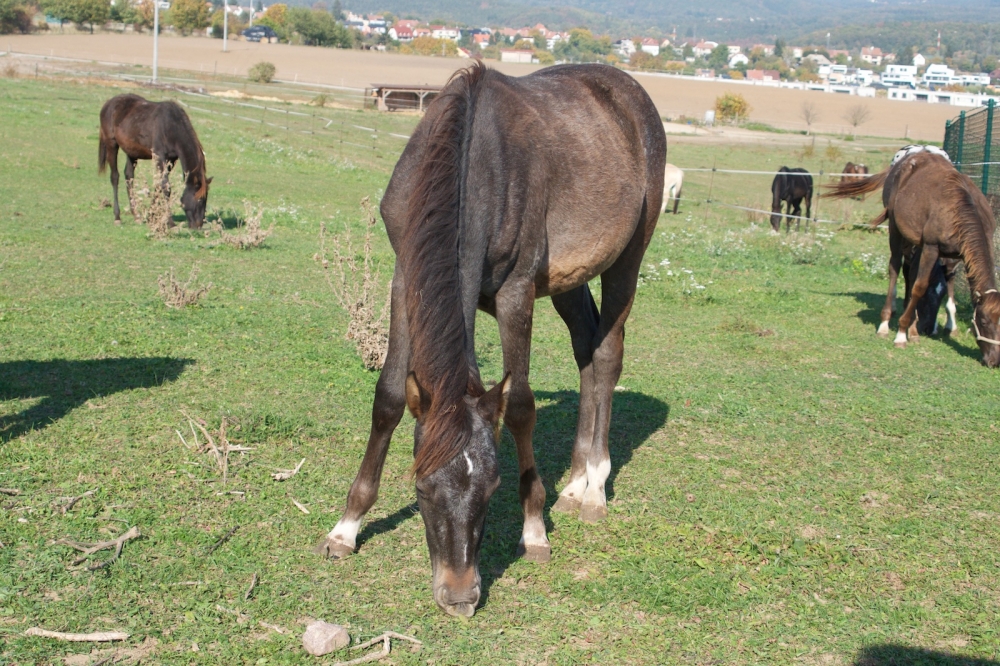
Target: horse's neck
979,263
191,157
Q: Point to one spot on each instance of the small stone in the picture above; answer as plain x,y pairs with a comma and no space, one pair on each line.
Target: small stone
323,638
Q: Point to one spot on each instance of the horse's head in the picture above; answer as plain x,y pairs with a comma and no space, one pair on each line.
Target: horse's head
986,326
453,498
195,197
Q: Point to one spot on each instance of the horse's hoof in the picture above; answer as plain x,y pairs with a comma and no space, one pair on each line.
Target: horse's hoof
593,513
118,222
567,505
533,553
900,345
333,550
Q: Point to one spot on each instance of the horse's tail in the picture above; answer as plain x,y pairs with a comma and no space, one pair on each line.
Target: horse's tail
856,186
102,153
879,219
429,256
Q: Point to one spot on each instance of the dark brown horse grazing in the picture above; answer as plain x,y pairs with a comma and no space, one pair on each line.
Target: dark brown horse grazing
510,189
791,186
154,130
933,207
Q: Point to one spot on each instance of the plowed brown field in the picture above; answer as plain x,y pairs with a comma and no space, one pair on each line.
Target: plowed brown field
358,69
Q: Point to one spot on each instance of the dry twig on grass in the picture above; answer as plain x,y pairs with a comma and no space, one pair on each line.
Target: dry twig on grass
223,539
285,474
73,500
381,654
10,491
357,290
97,637
251,233
300,507
89,549
253,585
220,450
176,295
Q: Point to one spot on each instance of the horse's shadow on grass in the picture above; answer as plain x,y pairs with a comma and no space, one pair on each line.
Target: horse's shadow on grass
65,385
634,418
872,316
903,655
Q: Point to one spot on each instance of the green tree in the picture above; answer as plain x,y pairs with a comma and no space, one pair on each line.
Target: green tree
189,15
14,17
779,47
81,12
719,57
318,28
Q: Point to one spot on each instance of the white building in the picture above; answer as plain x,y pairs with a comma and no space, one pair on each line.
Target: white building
704,48
919,60
444,32
939,97
738,59
651,46
939,75
900,75
516,55
872,55
974,79
625,47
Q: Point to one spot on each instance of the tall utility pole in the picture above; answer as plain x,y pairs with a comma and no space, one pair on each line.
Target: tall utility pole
156,36
225,26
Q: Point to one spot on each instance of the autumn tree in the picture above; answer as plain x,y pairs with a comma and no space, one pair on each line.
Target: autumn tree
856,116
810,114
189,15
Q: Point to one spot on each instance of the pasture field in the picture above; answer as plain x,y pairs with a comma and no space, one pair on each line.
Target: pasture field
786,489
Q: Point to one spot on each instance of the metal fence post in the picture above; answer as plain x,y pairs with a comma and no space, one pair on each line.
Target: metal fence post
986,148
961,140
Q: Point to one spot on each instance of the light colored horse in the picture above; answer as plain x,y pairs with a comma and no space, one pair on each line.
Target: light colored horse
673,179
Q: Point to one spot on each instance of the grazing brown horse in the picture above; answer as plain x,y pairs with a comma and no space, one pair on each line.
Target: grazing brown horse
790,186
510,189
160,131
932,207
853,171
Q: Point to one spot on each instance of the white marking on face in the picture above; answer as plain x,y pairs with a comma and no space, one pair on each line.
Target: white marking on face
468,460
884,328
900,337
346,531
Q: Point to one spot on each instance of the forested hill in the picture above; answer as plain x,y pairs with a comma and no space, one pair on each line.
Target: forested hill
711,19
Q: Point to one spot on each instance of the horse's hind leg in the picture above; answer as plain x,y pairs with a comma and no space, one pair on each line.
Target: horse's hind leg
951,269
928,258
111,153
390,400
895,262
515,304
578,310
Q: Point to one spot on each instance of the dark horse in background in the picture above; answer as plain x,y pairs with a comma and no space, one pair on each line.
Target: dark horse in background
510,189
791,186
940,285
160,131
935,212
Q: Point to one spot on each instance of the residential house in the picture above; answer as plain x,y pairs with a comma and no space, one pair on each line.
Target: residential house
872,55
939,75
516,55
651,46
766,49
967,79
444,32
482,40
919,60
763,75
738,59
625,47
703,48
900,75
733,49
421,32
401,33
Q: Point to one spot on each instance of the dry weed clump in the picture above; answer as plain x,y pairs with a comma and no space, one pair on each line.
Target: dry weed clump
153,207
176,295
251,233
357,290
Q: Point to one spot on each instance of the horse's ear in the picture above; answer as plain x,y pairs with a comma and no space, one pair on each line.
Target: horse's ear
493,403
209,180
417,399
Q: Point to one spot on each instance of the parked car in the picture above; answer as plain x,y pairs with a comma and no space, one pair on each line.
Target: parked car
259,33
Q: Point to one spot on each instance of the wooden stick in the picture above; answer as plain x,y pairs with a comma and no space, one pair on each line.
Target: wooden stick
98,637
74,500
253,584
301,508
90,549
381,654
223,539
285,474
10,491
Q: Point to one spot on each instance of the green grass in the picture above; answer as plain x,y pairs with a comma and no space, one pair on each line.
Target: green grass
787,488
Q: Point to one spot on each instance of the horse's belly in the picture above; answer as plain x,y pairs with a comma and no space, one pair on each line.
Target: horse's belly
582,254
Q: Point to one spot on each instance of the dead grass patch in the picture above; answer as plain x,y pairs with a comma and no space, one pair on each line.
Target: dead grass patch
176,295
153,207
250,233
357,289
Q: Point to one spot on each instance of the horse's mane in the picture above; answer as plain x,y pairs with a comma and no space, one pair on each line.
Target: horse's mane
975,226
429,256
192,154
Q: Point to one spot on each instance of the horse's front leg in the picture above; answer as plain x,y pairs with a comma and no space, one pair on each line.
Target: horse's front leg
390,400
951,269
579,312
515,304
895,262
928,259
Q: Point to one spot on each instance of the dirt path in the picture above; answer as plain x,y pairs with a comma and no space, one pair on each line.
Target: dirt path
673,96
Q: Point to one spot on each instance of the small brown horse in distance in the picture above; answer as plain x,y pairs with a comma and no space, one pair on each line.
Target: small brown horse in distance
937,211
853,171
509,190
160,131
